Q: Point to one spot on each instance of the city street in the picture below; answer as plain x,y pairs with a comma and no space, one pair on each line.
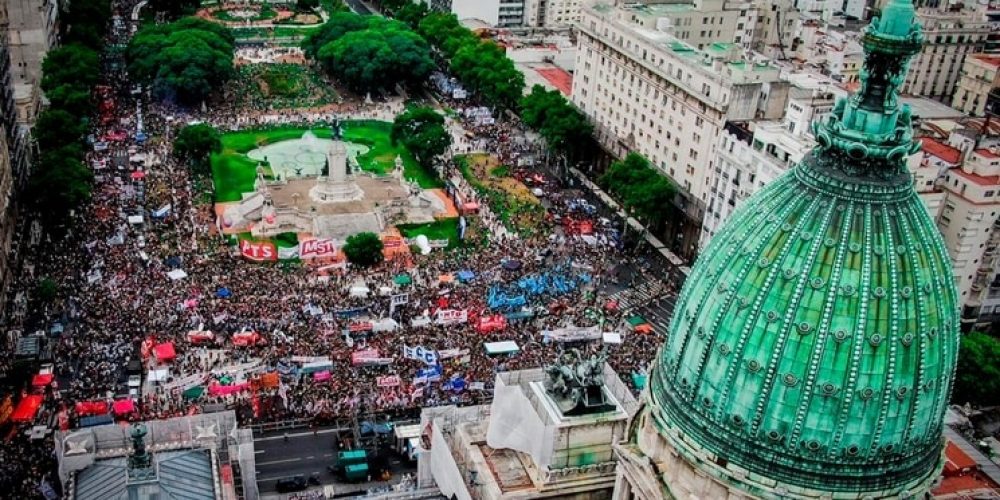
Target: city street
306,453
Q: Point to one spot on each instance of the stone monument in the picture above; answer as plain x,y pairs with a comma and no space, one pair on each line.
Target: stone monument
338,185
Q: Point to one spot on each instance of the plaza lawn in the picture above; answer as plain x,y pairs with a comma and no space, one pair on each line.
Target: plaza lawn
437,230
234,173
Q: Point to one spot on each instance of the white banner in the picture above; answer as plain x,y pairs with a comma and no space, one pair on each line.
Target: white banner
421,353
573,334
451,316
288,253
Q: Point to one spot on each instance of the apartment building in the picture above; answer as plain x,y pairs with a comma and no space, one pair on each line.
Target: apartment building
647,91
14,158
32,29
749,156
551,13
980,74
951,36
495,13
966,220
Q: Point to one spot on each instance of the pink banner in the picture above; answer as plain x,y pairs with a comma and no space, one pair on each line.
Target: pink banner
389,381
321,376
225,390
365,356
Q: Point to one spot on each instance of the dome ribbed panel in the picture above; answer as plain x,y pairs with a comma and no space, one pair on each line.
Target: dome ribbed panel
815,339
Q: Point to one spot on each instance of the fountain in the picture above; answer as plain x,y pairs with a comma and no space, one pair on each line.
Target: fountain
302,157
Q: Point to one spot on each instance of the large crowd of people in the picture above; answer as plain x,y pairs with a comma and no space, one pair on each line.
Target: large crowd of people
116,296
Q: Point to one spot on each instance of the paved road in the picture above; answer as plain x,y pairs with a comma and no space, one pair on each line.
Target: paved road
307,453
359,7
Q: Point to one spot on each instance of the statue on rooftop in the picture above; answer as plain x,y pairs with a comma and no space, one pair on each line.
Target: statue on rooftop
576,383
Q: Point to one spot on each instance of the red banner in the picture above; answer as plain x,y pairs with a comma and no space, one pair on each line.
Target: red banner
317,249
360,327
392,241
259,251
493,323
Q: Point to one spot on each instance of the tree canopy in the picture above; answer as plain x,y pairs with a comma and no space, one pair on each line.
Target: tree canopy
411,14
175,8
61,183
184,60
977,376
370,52
422,131
196,143
481,65
639,187
56,128
84,22
73,64
555,118
364,249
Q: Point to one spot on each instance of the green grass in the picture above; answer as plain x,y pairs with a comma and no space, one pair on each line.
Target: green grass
501,171
437,230
234,173
286,240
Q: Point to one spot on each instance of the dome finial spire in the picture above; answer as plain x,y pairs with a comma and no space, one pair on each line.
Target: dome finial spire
871,127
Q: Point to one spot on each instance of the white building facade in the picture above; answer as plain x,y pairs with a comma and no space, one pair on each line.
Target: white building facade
649,92
950,37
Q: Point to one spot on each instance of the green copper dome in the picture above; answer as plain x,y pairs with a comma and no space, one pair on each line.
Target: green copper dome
814,344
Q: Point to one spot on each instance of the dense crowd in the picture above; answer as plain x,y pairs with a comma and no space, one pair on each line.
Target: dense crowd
115,293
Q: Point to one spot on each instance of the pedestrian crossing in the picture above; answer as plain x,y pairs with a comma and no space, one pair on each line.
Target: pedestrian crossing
640,295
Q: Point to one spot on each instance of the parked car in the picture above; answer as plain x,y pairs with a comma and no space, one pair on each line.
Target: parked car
290,484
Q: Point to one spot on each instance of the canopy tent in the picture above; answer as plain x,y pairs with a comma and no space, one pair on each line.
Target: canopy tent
223,293
138,175
26,409
465,275
193,392
123,407
87,408
639,324
360,291
504,347
42,379
512,265
165,352
639,380
402,279
446,278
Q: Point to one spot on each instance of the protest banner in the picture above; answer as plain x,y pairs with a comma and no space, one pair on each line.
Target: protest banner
258,251
573,334
421,353
364,357
389,381
451,316
318,248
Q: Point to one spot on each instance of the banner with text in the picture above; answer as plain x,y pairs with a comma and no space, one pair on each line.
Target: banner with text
421,353
259,251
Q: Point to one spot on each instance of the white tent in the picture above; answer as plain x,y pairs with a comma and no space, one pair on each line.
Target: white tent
504,347
177,274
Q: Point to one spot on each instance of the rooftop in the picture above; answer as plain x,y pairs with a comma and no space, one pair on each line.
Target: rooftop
981,180
941,150
989,59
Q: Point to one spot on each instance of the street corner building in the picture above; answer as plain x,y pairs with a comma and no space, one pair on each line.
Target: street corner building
812,350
